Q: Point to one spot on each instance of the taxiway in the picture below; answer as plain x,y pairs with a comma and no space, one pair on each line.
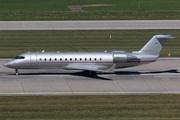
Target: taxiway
90,25
160,77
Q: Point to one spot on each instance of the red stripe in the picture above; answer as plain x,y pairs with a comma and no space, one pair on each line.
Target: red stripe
89,62
21,63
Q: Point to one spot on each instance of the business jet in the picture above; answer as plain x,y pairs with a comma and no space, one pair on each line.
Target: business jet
90,62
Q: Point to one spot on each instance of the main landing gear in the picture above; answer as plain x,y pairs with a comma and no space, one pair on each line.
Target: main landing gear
89,73
16,70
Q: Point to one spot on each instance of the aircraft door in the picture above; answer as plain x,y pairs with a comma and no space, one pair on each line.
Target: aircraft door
33,59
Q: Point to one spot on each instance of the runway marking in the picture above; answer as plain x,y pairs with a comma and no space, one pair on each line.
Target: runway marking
83,24
59,75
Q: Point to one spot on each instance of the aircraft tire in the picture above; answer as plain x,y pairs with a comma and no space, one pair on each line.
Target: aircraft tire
16,72
90,73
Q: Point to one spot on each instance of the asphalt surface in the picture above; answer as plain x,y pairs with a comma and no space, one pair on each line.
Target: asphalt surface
160,77
90,25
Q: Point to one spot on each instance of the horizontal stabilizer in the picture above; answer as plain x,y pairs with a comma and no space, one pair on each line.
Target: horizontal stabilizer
164,36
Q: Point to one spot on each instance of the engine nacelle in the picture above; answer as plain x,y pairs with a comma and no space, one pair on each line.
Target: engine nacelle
118,58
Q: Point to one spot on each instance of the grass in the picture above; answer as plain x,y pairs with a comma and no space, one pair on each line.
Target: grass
96,15
12,10
62,5
13,43
108,107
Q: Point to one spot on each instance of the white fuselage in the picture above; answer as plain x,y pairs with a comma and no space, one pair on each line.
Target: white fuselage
62,60
90,61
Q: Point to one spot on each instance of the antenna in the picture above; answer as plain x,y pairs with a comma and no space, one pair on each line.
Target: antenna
43,51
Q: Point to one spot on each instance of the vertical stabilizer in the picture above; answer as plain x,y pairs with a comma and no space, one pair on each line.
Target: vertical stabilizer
155,44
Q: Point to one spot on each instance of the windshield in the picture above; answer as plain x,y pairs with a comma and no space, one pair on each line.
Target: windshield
19,57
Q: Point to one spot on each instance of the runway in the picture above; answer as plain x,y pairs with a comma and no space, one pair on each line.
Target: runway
160,77
90,25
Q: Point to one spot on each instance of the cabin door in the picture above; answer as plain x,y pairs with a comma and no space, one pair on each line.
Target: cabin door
33,60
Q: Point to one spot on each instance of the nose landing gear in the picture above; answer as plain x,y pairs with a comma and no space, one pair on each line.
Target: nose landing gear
16,70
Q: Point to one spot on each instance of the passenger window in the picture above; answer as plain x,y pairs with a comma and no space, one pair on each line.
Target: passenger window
90,59
44,59
80,59
85,59
65,59
75,59
95,59
55,59
60,59
40,59
100,59
50,59
70,59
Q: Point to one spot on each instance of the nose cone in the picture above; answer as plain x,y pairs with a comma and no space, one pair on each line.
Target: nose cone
10,64
6,64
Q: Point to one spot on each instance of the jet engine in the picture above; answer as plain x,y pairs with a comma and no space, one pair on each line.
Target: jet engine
118,58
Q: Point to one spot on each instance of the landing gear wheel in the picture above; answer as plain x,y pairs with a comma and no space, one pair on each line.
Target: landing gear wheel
89,73
16,72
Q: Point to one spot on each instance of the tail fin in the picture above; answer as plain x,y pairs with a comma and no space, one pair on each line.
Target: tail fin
155,44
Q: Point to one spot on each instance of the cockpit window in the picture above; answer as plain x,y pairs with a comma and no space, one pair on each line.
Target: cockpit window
19,57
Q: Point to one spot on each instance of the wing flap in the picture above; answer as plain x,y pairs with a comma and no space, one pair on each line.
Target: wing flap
96,68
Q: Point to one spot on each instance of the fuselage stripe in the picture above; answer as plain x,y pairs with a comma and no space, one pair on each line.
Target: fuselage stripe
76,62
86,62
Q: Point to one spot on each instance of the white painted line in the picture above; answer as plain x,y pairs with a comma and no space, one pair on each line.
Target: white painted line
48,75
4,59
169,58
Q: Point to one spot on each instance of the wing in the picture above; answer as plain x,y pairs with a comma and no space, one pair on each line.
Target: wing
96,68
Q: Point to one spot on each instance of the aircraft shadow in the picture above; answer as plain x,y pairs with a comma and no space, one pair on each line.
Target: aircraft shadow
82,74
141,73
96,76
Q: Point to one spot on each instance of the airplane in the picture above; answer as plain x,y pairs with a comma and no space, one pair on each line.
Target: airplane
90,62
